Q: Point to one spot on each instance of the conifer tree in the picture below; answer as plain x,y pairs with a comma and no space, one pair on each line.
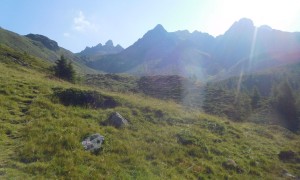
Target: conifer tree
64,70
71,72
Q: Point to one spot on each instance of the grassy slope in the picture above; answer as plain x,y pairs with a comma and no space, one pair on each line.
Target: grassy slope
40,138
113,82
24,44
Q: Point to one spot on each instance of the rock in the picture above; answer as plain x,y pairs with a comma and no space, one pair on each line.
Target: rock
84,98
287,155
232,165
288,175
93,143
116,120
229,164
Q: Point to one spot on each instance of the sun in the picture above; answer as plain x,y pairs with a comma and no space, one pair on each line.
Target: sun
278,14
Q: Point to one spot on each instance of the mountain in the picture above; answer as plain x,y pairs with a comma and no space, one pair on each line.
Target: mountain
235,43
242,47
44,122
245,48
42,47
164,53
91,53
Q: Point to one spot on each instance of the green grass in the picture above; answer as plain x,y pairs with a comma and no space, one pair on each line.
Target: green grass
25,45
113,82
41,139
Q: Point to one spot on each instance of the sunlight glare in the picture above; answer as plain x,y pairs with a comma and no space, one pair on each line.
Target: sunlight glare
280,14
252,49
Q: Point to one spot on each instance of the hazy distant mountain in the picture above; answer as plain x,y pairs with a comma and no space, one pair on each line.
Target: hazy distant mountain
243,47
246,48
164,53
42,47
92,53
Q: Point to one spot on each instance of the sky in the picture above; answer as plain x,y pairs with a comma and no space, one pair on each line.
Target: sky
75,24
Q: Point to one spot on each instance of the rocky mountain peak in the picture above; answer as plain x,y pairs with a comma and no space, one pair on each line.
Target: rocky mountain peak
244,25
245,22
48,43
109,43
159,27
157,31
265,28
99,45
107,48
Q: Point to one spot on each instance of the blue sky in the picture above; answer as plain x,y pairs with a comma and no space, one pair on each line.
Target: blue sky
75,24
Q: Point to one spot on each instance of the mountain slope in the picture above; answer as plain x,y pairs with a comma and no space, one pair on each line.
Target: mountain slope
41,47
41,137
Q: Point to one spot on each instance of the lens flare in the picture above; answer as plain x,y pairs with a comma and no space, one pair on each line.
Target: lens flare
252,49
239,84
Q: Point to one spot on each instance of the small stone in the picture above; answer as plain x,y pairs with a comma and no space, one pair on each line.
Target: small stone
289,175
116,120
93,143
230,164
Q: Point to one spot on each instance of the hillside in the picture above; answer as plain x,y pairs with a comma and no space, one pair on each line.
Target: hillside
242,48
270,97
41,134
41,47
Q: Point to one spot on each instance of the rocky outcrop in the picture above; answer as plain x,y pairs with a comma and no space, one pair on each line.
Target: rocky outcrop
289,156
84,98
48,43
